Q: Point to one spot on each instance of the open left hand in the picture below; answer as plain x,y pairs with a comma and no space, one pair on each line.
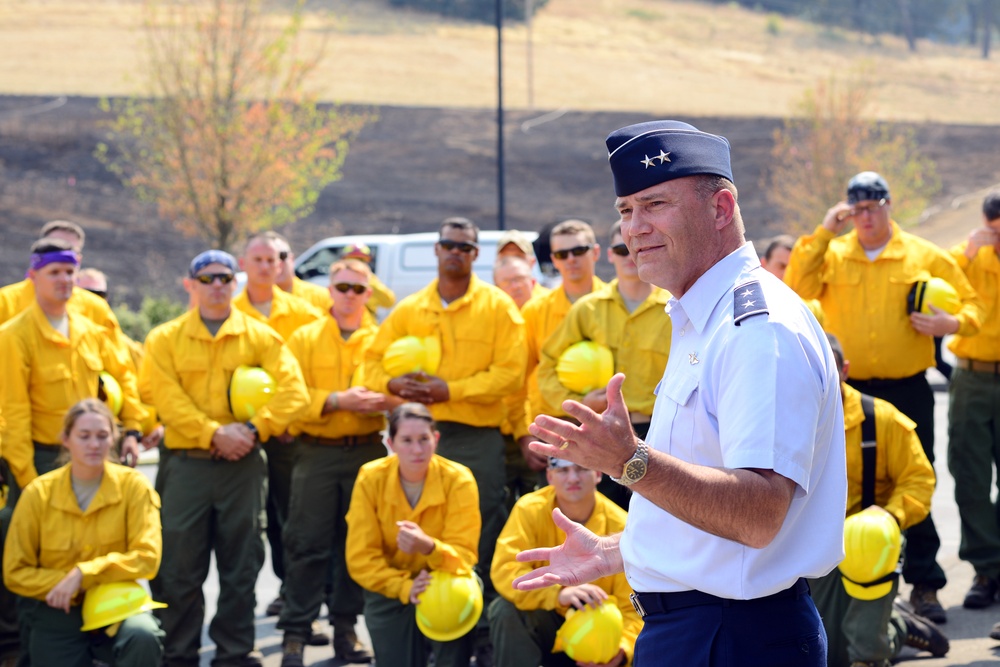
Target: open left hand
62,594
937,325
420,584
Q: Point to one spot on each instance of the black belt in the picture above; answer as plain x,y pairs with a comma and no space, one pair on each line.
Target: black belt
660,603
992,367
881,383
346,441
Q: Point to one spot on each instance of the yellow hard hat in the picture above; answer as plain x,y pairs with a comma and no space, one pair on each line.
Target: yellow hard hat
249,390
585,366
106,604
591,634
933,292
450,607
411,354
110,392
872,545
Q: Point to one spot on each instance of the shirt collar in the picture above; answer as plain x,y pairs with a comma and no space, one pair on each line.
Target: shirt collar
699,302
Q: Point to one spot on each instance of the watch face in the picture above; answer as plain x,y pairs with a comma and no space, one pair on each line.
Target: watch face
635,469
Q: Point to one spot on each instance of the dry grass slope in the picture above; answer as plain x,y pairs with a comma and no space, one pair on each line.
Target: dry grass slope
657,56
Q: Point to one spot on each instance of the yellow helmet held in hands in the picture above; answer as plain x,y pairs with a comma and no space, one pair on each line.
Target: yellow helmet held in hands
933,292
585,366
106,604
450,607
110,392
591,634
250,389
871,545
411,354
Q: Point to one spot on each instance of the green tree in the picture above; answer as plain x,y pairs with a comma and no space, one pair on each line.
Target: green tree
829,139
227,142
153,312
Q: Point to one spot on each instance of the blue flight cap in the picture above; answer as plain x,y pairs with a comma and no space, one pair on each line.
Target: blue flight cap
646,154
212,257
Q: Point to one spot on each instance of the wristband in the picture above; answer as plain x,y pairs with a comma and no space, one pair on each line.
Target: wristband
253,429
336,401
134,433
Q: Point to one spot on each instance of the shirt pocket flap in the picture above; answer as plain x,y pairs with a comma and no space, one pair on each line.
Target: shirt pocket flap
679,387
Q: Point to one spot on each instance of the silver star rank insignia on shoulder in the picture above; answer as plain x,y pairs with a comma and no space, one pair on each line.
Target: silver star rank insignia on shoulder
748,300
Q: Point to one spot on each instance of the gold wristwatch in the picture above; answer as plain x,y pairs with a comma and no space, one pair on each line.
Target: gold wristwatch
635,467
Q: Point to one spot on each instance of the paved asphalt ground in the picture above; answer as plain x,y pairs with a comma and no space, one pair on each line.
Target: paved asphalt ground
968,630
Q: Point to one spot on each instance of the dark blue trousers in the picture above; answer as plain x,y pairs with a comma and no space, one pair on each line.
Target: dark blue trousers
699,630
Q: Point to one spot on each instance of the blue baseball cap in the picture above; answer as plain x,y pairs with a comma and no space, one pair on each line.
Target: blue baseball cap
212,257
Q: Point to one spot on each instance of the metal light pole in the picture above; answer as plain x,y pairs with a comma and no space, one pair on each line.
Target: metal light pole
500,162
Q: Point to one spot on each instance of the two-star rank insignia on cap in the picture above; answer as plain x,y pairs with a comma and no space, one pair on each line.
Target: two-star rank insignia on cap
748,300
651,161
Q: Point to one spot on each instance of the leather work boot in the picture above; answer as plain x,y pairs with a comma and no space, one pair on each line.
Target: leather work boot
925,603
292,652
921,634
316,635
345,641
275,606
982,593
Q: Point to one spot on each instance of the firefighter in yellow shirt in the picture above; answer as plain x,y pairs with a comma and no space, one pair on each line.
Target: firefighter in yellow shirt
316,296
19,296
87,523
410,513
382,296
575,252
873,632
862,280
973,437
340,432
513,243
264,301
215,472
523,624
628,317
482,362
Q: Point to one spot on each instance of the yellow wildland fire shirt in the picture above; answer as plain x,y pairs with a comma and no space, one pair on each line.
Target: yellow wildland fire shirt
482,349
904,478
530,526
639,342
448,512
45,374
983,273
329,364
864,301
117,538
190,371
542,316
288,312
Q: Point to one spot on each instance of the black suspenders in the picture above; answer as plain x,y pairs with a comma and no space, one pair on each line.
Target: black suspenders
868,452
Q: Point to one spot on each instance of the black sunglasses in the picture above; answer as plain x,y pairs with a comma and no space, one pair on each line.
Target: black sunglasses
621,250
99,292
283,255
344,288
578,251
209,278
460,245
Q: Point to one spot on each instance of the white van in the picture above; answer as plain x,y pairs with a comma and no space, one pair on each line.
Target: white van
405,263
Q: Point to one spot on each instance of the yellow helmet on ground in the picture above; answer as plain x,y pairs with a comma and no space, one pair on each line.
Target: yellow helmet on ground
109,391
450,607
250,389
871,545
591,634
106,604
411,354
585,366
933,292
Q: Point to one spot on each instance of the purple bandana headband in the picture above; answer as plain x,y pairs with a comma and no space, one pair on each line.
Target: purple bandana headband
42,259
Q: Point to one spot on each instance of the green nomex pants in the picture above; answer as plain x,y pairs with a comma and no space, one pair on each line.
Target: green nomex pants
398,641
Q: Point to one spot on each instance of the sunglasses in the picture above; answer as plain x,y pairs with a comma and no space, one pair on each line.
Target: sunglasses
459,245
283,255
621,250
99,292
578,251
209,278
344,288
